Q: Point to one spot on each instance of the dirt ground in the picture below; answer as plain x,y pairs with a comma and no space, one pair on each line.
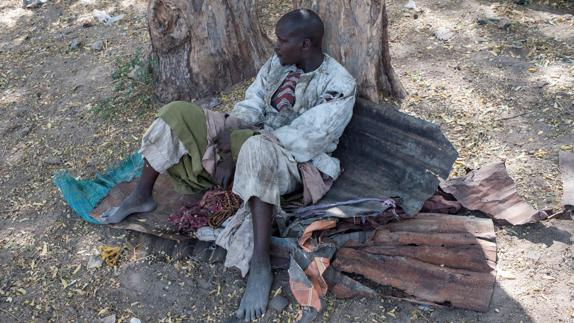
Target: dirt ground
500,83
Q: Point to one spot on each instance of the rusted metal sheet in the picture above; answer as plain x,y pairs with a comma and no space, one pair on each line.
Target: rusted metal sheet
343,286
438,258
444,223
471,257
384,236
567,170
490,190
385,152
443,285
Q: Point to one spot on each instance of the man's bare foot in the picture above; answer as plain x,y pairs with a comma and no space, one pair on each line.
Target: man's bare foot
254,302
134,203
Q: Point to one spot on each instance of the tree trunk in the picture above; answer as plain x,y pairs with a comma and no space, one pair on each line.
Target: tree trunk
356,35
202,47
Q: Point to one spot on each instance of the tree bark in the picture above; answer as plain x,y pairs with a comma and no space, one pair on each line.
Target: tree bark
202,47
356,35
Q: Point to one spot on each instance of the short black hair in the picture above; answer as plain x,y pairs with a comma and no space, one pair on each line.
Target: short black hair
305,23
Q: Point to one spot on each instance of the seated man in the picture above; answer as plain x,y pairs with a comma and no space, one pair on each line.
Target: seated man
287,127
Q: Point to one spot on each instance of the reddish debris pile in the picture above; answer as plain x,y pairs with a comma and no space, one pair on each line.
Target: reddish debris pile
213,209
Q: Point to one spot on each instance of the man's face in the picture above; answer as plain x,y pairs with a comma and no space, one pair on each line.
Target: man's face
289,47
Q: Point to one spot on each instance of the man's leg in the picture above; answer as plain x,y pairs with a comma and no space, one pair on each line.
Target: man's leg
140,199
160,148
263,173
254,301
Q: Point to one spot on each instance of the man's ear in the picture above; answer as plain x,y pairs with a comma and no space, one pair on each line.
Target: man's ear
307,44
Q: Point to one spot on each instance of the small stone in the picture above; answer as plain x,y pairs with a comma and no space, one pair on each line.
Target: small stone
308,315
135,320
97,45
52,160
204,284
278,303
202,251
94,262
218,256
109,319
483,21
411,4
33,4
75,44
135,73
444,34
24,132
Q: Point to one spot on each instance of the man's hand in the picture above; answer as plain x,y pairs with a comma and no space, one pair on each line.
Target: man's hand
224,141
225,170
232,123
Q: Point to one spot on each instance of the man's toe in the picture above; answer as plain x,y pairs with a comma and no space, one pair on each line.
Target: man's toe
240,313
250,316
109,212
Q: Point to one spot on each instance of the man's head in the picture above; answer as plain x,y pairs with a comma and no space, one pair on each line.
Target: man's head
299,35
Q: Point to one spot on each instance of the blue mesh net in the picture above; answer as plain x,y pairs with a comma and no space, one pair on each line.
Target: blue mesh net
83,195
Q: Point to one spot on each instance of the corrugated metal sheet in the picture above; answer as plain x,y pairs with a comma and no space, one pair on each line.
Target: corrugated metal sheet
491,190
385,152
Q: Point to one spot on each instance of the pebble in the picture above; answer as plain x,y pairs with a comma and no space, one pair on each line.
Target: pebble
24,132
278,303
109,319
218,256
485,21
97,45
443,33
94,262
204,284
135,73
411,4
52,160
501,23
33,4
135,320
75,44
308,315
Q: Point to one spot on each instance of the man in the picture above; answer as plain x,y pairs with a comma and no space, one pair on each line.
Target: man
287,126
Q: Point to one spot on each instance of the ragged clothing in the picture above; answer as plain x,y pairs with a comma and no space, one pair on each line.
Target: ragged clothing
311,128
301,117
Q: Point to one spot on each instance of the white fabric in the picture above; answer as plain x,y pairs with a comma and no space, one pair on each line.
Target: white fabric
161,147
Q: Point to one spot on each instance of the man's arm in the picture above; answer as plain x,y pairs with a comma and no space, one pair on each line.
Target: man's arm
252,108
245,114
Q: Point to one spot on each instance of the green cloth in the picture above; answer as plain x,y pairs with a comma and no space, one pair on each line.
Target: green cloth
237,138
187,120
